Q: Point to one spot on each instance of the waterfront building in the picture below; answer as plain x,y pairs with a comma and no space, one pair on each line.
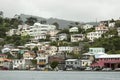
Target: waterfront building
107,61
72,63
42,60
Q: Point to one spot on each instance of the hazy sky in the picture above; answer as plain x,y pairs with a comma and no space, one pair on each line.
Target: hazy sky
78,10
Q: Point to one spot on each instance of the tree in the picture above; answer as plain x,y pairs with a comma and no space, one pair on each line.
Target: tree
54,64
31,20
117,23
1,13
35,49
56,24
34,62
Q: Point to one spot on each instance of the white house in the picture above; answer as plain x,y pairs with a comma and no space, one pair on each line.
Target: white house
62,36
12,32
23,29
53,32
93,35
72,63
77,37
40,36
65,49
96,50
87,26
73,29
111,24
86,63
38,29
21,64
118,30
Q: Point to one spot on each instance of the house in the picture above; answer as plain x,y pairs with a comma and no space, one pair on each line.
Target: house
73,29
93,35
2,57
76,50
29,55
87,26
14,52
59,59
23,29
111,24
93,53
53,50
42,61
21,64
107,61
96,50
38,29
41,36
7,64
72,63
32,45
62,36
53,32
53,38
5,50
118,30
101,29
11,32
77,37
65,48
85,63
9,46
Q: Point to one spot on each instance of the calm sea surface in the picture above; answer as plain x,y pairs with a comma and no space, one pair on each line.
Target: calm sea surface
63,75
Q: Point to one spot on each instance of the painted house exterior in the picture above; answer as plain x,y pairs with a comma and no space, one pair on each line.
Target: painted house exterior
53,32
107,61
38,29
73,29
42,61
77,37
101,29
40,36
65,49
29,55
21,64
118,30
87,26
72,63
96,50
62,36
93,35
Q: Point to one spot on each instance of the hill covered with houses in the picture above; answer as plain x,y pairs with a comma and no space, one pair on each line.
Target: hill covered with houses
33,44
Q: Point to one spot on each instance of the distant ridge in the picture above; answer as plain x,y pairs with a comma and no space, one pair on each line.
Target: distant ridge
62,23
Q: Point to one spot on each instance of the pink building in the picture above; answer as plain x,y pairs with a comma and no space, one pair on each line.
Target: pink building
107,61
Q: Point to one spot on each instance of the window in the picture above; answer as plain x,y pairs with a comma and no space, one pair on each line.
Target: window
71,62
75,62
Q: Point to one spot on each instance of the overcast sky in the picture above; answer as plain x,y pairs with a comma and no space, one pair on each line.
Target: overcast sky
77,10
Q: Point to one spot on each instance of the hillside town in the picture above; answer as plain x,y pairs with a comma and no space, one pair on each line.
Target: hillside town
40,46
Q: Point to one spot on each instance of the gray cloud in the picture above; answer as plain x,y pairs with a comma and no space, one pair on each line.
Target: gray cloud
78,10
